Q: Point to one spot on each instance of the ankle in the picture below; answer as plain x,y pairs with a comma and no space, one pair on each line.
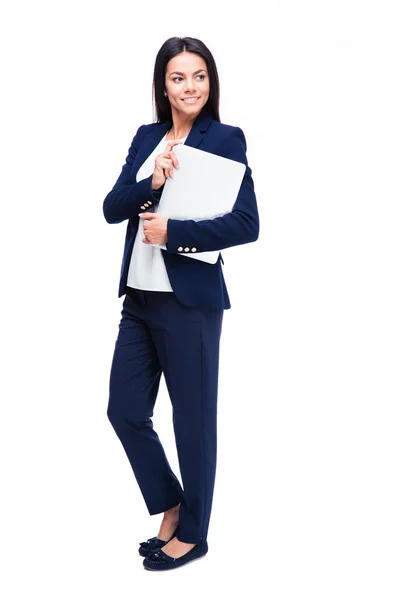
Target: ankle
172,513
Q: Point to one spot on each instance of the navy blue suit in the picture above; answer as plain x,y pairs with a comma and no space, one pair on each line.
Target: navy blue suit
195,283
175,333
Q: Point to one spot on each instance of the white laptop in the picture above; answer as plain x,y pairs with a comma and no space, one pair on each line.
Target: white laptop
204,186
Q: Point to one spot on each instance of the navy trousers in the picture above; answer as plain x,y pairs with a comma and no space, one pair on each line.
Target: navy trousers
158,334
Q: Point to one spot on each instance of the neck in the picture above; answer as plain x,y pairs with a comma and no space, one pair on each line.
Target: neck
181,125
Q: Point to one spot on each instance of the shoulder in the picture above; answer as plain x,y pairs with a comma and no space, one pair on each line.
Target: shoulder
222,134
146,128
228,141
228,134
222,130
141,133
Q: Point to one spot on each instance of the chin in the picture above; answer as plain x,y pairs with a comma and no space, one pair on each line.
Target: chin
194,107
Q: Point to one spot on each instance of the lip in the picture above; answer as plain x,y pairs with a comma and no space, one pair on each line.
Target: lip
190,98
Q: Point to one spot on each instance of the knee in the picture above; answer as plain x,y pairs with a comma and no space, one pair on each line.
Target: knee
113,416
121,417
116,411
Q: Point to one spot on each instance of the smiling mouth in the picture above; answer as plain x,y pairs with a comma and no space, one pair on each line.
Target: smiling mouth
191,100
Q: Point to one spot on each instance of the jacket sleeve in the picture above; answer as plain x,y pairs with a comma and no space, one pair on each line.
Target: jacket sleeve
127,199
240,226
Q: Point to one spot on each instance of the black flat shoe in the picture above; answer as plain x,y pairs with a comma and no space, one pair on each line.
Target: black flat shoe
157,560
153,543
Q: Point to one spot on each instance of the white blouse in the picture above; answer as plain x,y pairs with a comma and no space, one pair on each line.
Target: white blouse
147,268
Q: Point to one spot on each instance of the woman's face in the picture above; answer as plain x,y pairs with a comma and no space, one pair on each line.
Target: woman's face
187,84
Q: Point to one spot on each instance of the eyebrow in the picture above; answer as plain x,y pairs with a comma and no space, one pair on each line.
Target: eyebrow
179,73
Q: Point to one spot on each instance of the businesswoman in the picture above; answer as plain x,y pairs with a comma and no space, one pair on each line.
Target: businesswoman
172,312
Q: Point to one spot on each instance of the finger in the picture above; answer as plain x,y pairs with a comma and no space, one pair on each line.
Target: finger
171,144
164,158
172,156
164,165
169,170
174,160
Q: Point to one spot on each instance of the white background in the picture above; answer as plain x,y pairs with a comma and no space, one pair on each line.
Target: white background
307,492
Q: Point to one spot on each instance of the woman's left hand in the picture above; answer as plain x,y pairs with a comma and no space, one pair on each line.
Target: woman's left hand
155,228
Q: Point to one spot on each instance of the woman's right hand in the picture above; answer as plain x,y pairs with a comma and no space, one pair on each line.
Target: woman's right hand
164,165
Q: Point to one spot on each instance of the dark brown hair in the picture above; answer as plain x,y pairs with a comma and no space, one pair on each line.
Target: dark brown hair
169,49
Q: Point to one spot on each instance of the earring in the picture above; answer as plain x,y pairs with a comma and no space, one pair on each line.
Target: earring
165,93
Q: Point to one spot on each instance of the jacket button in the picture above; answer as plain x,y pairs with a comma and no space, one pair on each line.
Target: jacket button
146,205
143,207
149,202
194,249
187,249
180,249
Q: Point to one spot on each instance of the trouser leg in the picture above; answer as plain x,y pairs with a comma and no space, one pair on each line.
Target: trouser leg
133,386
187,341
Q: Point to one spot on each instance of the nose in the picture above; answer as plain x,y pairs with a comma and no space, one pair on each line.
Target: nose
189,87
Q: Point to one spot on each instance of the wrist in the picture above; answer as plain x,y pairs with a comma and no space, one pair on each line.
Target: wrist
155,186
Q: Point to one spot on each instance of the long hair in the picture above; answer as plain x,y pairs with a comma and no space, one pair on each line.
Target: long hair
169,49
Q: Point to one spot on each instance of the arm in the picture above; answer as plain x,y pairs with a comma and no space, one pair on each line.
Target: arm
127,199
240,226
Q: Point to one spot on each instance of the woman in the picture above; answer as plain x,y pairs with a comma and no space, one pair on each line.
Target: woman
173,307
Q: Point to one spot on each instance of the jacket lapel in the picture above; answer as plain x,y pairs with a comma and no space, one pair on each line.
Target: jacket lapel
199,128
151,141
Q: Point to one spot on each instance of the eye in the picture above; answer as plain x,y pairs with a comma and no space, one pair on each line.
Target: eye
175,78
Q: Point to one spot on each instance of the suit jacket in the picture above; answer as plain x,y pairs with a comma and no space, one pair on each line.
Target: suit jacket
194,282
